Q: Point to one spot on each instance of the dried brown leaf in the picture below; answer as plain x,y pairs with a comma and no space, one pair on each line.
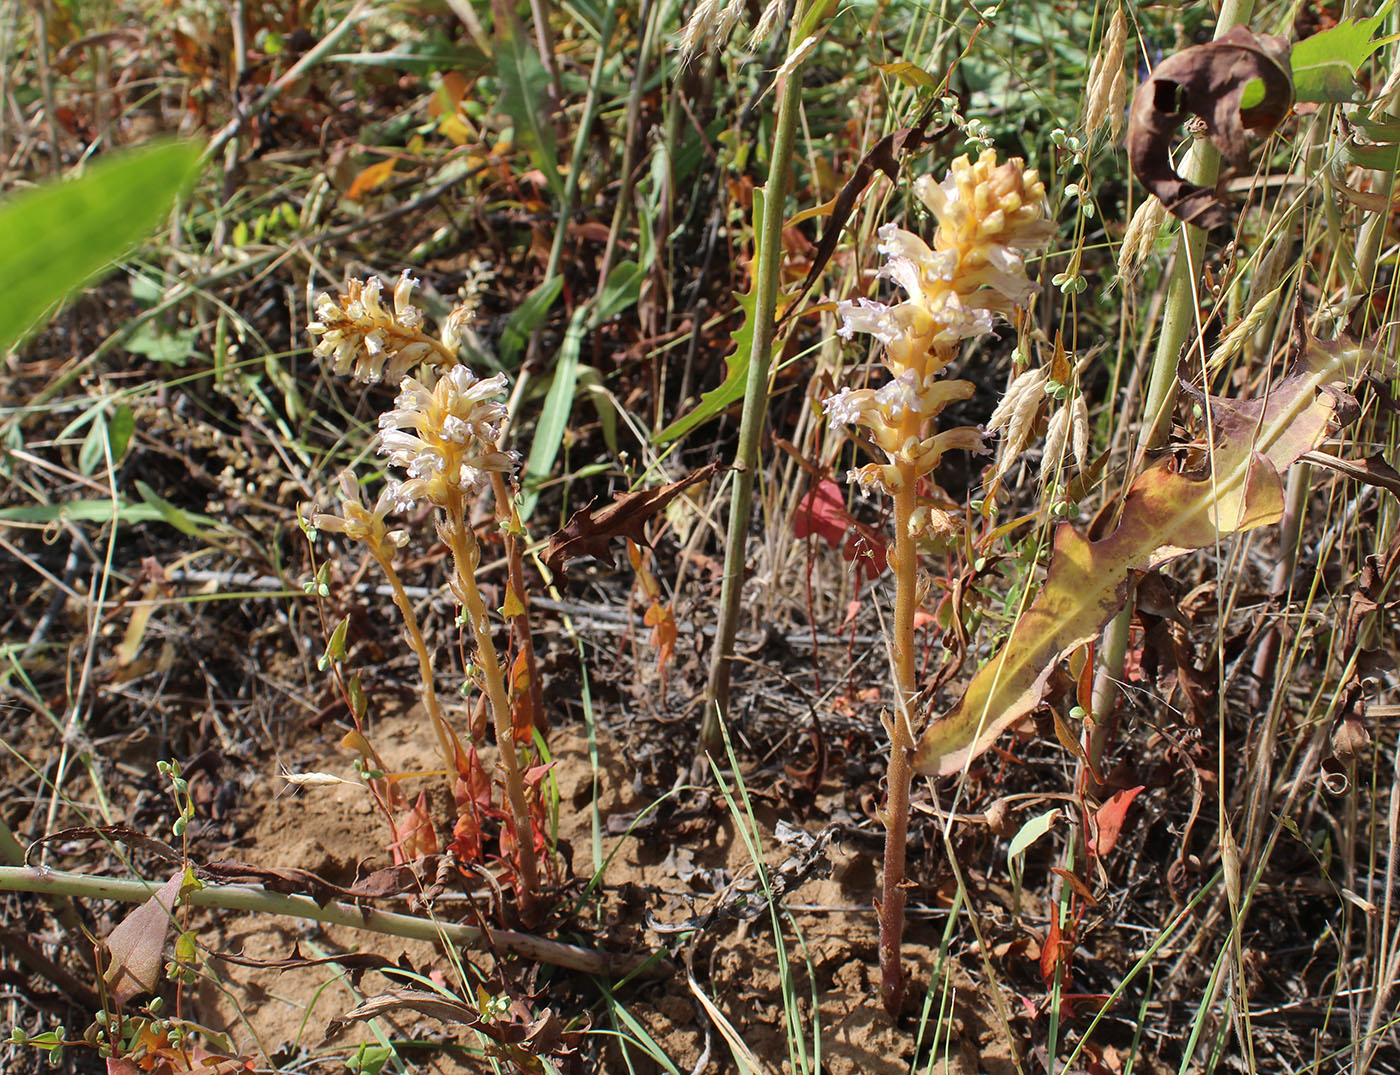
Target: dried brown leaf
1208,81
589,532
136,946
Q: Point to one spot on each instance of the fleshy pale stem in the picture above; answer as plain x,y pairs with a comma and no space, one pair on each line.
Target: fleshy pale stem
465,555
425,660
770,251
902,743
514,530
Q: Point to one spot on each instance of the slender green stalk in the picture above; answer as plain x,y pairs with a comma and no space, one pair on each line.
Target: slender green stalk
770,250
465,556
257,900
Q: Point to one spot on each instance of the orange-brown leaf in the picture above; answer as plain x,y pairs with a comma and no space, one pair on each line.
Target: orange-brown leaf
589,532
370,178
1168,511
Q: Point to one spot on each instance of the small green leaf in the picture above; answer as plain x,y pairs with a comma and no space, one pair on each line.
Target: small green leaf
528,316
174,348
335,648
57,237
119,431
1029,833
911,74
1326,65
94,449
356,693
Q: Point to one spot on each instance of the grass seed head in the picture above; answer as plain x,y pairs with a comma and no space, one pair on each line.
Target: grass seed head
1140,236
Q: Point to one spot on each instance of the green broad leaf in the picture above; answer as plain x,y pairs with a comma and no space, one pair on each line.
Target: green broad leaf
1029,833
56,238
120,427
554,418
524,82
528,316
735,381
82,511
1383,128
189,523
1326,65
1384,154
1383,158
621,290
173,347
94,450
335,648
420,59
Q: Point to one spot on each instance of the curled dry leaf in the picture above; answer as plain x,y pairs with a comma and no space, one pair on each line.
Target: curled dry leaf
589,532
1207,81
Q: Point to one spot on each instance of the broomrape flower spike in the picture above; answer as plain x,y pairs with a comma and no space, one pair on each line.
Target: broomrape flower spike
445,436
362,337
989,215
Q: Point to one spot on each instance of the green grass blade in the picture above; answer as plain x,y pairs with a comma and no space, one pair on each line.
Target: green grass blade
554,419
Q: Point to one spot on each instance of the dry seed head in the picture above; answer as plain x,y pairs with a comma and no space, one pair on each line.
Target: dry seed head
1117,102
1079,431
1056,433
1024,392
1237,337
767,21
1024,399
1106,91
709,27
364,338
1141,236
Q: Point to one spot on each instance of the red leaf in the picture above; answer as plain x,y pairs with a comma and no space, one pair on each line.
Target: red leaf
1050,953
822,512
414,836
1109,818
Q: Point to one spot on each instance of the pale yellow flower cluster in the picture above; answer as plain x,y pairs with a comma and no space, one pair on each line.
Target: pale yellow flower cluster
443,430
445,436
989,215
365,339
361,523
